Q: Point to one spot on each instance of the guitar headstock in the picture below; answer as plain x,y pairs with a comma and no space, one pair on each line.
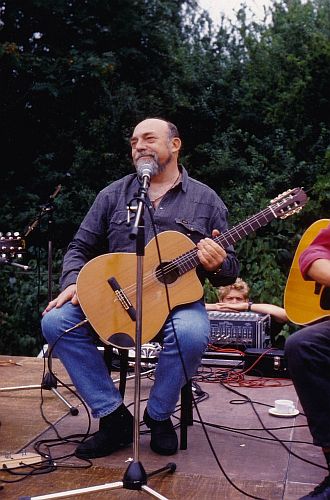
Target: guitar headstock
288,203
11,246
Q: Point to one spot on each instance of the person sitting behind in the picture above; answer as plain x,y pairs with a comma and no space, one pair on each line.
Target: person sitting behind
235,298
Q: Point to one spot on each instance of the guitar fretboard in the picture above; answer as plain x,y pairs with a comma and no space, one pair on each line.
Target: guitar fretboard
189,260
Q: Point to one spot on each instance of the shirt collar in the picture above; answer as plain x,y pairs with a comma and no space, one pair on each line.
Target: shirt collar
184,178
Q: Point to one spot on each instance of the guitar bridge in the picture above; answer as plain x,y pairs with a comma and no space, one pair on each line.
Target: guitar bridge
123,299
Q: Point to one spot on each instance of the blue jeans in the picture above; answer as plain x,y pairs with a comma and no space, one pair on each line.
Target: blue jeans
308,356
86,366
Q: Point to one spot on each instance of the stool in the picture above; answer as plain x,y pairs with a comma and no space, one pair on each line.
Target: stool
123,367
186,410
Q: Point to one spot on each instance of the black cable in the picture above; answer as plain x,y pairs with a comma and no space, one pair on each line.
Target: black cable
244,433
43,469
290,452
60,439
274,438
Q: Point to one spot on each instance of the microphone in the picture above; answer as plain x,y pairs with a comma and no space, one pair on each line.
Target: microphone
146,171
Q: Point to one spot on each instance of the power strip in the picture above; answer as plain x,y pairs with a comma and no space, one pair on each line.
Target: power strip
14,460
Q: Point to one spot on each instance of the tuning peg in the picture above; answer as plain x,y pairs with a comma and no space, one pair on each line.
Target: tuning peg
294,211
280,196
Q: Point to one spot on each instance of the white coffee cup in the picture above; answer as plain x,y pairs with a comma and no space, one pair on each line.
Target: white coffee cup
284,406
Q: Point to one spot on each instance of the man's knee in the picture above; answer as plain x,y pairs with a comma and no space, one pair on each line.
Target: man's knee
301,347
290,344
49,325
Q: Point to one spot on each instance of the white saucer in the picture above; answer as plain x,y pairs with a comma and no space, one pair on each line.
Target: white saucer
277,413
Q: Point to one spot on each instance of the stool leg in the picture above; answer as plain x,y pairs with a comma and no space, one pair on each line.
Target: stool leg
123,371
123,360
186,413
108,357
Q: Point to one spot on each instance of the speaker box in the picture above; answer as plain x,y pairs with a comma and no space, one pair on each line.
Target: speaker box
266,363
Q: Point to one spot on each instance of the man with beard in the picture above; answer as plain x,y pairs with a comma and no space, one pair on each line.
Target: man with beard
175,202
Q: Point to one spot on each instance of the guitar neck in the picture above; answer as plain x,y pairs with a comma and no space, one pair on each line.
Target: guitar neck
189,260
245,228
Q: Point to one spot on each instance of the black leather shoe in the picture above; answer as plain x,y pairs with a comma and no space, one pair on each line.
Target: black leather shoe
321,492
164,440
115,432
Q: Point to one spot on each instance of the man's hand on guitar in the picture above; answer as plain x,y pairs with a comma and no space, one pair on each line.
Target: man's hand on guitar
70,293
210,254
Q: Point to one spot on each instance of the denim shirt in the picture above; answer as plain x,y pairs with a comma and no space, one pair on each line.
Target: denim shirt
191,208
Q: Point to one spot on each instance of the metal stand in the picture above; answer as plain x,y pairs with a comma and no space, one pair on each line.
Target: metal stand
49,382
135,477
7,262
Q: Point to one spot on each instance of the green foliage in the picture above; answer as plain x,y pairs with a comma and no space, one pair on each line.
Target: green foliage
251,101
19,319
210,293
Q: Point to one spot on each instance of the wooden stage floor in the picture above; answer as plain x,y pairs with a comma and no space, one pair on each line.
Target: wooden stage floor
245,453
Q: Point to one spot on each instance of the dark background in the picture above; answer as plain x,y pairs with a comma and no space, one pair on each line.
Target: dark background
251,100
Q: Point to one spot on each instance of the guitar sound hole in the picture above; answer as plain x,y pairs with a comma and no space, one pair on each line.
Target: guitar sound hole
170,273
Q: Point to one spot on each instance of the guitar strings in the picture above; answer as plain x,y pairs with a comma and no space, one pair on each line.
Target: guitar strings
190,256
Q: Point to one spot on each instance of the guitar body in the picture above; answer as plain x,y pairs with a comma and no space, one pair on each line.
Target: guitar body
306,301
104,310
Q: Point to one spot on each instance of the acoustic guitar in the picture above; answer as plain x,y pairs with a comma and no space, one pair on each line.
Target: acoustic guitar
106,285
306,302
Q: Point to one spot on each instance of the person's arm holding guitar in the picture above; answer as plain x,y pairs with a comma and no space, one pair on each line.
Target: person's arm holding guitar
314,262
320,271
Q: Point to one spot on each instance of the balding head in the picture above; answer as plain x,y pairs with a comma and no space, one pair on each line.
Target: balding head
159,124
156,140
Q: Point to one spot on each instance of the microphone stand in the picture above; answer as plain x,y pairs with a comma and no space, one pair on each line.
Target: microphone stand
135,477
49,382
7,262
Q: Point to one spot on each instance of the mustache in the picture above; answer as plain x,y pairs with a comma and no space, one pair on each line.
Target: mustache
151,156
